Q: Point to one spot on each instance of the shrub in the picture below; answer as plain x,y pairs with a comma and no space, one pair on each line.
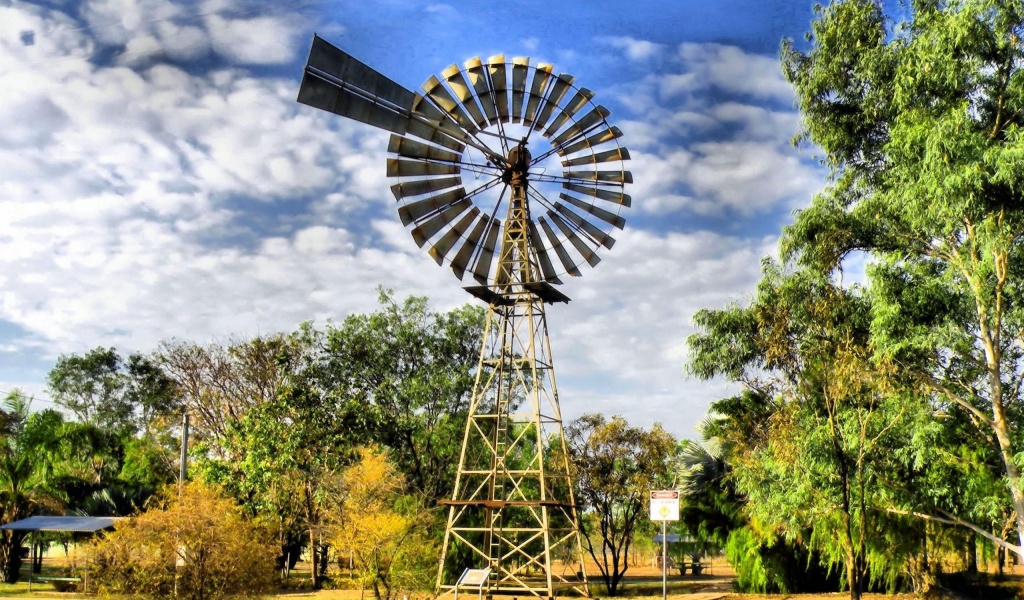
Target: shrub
196,544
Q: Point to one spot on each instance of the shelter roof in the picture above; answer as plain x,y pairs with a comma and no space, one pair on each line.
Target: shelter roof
673,538
54,523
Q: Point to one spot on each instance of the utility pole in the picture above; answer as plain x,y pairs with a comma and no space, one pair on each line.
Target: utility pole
183,473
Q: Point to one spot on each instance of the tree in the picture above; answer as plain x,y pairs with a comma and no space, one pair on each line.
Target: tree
411,369
24,460
287,452
920,122
615,466
382,528
715,509
711,508
220,383
825,468
197,545
101,389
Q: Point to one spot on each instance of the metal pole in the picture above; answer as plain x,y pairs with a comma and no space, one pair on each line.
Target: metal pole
184,450
664,561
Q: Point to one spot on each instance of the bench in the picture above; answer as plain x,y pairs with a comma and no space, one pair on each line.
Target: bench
57,581
695,567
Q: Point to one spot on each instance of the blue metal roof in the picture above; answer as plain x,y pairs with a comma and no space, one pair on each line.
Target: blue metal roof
673,538
53,523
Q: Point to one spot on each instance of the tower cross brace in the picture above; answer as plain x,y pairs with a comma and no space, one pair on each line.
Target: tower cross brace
513,508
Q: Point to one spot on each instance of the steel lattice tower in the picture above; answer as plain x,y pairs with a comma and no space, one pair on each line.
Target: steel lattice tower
513,504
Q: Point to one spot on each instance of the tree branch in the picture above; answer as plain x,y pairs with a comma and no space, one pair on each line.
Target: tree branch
950,519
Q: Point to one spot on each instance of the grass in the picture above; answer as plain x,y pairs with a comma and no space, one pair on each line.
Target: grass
640,582
39,589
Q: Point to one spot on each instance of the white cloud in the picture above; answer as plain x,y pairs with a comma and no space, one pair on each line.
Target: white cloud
530,44
630,321
439,8
749,176
116,193
637,50
730,69
705,143
259,40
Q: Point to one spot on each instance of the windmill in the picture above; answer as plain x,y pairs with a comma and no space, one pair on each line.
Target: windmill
513,177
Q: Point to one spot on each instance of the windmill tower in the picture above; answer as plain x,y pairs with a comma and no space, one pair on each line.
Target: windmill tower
499,167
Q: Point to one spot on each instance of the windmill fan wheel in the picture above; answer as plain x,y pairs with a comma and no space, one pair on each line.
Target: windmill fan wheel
498,129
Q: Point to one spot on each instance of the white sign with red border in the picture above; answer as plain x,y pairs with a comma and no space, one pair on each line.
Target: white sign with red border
665,505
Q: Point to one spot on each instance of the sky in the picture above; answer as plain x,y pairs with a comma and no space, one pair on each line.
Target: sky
159,181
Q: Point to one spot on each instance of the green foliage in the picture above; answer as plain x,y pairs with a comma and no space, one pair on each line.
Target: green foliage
399,377
411,371
101,389
196,546
148,462
710,507
817,446
920,122
285,452
615,466
26,458
768,563
746,554
897,404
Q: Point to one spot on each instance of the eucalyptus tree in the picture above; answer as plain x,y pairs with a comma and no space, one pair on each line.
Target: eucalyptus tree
818,467
920,121
615,466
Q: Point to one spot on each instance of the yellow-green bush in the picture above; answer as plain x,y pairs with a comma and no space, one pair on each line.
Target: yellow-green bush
196,545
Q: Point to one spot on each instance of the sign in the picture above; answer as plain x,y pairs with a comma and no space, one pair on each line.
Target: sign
474,577
665,505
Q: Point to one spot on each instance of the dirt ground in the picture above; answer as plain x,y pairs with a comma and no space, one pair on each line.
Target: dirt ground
642,582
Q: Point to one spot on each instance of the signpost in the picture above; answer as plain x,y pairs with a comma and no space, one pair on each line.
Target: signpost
664,508
473,578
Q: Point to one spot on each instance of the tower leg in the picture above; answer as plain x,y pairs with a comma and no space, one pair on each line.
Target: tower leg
513,508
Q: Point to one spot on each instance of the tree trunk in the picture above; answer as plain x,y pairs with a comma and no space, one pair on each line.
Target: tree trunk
313,562
852,574
10,555
972,552
323,563
991,340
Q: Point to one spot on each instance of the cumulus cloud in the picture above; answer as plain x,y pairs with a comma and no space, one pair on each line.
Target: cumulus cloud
633,48
728,69
122,189
152,29
259,40
711,136
629,323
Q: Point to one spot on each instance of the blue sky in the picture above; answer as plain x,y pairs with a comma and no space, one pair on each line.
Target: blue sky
158,179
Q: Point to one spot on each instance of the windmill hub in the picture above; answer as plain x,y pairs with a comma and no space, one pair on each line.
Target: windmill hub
517,165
